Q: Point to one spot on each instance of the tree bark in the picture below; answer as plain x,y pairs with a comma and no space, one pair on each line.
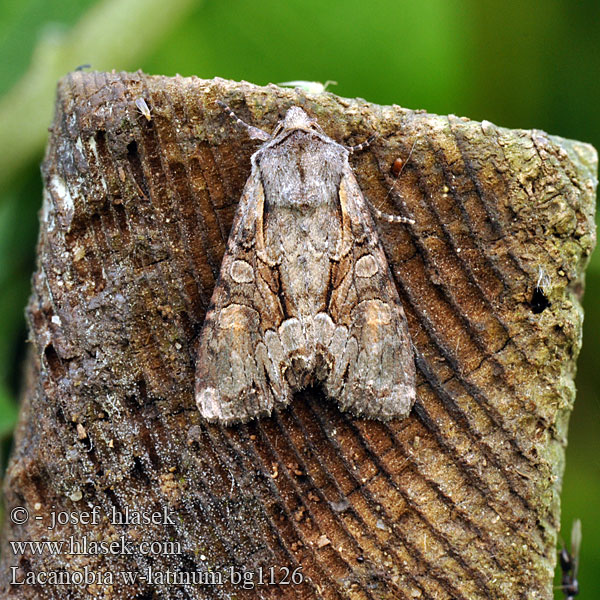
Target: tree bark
460,500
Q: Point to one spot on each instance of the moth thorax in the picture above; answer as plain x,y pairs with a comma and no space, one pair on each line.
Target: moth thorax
296,118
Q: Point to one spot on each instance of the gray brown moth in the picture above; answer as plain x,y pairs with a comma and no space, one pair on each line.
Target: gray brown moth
305,295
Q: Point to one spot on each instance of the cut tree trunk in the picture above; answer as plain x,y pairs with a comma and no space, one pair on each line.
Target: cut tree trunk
460,500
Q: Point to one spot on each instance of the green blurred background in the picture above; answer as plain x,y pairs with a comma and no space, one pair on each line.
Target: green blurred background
517,63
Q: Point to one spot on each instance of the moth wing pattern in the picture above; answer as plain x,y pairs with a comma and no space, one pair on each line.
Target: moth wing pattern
305,294
235,379
374,375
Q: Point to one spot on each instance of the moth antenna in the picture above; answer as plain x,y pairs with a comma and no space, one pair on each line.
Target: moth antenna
387,217
362,145
254,132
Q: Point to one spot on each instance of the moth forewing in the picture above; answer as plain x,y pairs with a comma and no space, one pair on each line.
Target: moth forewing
305,295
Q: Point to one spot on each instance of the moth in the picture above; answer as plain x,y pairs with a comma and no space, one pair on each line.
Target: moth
305,295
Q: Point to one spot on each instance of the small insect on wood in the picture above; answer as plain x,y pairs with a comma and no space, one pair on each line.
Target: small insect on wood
305,295
310,87
569,563
143,108
397,167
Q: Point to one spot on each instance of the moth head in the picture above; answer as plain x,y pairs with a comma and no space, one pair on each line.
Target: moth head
296,119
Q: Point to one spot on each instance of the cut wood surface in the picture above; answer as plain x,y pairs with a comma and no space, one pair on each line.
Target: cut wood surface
458,501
